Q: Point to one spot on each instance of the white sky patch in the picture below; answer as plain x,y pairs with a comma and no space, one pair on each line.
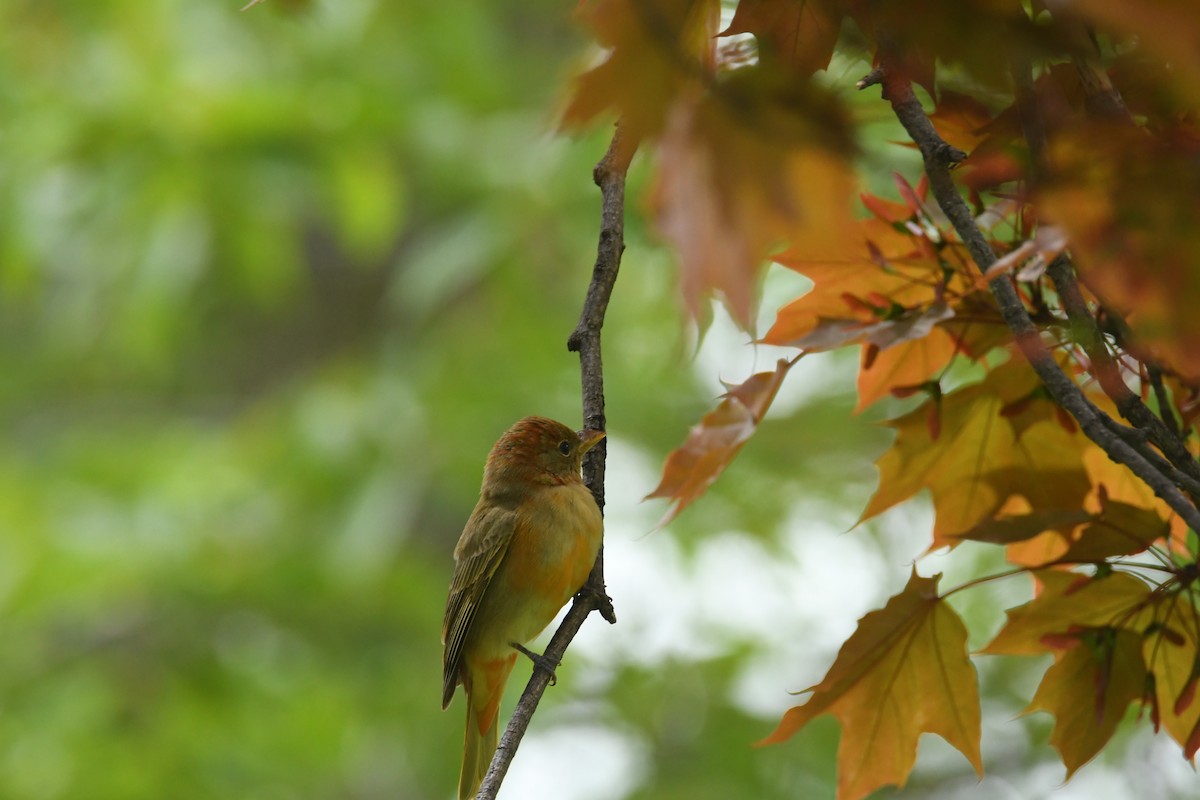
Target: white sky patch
728,353
575,762
652,592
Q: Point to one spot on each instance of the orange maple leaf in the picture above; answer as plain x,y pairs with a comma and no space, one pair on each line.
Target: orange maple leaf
1165,26
959,119
904,671
653,46
897,283
800,33
905,365
877,259
741,173
1118,199
712,444
1120,484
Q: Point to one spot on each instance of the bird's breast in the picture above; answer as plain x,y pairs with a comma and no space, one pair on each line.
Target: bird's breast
555,543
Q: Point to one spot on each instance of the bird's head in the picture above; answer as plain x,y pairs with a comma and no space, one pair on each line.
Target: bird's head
540,451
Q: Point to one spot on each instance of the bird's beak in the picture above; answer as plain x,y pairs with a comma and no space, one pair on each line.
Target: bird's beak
588,439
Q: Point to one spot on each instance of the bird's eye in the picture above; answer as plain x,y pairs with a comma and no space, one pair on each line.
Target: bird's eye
564,447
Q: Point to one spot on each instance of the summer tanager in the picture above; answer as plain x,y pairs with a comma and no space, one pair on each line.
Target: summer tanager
527,548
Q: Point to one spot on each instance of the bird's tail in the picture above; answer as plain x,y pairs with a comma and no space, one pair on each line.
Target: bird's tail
477,755
484,690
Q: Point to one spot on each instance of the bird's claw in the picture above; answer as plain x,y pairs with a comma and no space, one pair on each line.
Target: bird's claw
547,665
600,601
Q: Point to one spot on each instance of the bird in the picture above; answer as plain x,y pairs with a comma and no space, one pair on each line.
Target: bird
526,549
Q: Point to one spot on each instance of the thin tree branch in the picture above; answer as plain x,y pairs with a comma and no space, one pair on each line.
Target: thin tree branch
1031,120
610,177
938,157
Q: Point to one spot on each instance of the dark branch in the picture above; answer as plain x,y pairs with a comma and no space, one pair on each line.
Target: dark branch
610,176
939,157
1031,120
870,79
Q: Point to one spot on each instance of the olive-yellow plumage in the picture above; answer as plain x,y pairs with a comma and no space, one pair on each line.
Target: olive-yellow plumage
526,549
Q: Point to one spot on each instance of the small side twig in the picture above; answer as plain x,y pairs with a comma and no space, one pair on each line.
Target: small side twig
1137,438
1108,372
1154,372
610,176
870,79
939,157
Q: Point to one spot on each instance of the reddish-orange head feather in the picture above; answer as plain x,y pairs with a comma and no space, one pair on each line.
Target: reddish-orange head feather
537,450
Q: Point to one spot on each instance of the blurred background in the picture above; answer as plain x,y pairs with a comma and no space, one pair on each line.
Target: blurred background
271,284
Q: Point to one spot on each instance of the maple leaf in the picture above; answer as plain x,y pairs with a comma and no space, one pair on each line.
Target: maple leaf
1068,600
894,280
652,44
902,326
1021,527
741,173
876,260
1118,197
1088,688
1118,529
1165,26
1120,484
959,119
981,457
712,444
904,671
977,327
800,33
1171,656
905,365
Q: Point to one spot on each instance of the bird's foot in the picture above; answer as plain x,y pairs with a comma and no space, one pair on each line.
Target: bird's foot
541,662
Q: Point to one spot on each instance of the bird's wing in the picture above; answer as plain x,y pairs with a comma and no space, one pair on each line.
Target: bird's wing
477,558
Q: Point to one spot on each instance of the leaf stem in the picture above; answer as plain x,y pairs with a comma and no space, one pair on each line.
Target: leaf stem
986,579
1141,565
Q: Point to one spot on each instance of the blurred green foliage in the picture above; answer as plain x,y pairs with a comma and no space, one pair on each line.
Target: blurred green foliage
269,285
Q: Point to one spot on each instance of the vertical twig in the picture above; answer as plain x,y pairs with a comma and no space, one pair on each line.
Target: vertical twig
610,177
